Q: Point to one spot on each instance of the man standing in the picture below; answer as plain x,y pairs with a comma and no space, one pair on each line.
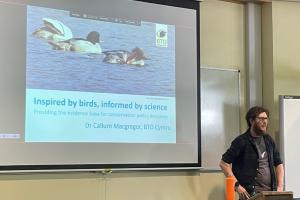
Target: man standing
253,158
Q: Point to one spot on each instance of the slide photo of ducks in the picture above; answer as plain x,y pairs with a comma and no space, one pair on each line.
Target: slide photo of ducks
135,57
53,30
90,44
79,54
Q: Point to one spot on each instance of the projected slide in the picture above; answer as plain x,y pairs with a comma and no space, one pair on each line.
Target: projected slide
98,79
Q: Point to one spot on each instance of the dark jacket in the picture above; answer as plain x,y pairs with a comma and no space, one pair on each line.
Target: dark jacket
243,156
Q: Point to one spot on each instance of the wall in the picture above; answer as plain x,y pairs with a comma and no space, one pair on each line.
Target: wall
223,41
222,45
267,62
281,47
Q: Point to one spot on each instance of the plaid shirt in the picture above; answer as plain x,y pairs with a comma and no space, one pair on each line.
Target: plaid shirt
243,156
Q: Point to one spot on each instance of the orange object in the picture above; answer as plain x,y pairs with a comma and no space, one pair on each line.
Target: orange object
230,194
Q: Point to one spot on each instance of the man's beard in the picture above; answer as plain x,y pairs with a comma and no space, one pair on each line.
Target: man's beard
258,130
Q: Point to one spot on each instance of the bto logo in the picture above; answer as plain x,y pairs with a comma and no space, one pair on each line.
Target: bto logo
161,35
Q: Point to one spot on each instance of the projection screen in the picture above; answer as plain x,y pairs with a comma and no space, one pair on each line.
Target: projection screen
99,84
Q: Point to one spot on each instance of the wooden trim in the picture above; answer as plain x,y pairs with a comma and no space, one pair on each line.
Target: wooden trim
248,1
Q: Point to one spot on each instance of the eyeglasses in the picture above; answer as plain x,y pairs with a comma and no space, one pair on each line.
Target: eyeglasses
262,118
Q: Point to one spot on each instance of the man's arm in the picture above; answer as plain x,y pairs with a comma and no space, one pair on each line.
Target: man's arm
279,176
227,170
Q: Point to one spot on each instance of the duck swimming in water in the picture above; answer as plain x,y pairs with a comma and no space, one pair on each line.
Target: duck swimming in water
53,30
135,57
89,45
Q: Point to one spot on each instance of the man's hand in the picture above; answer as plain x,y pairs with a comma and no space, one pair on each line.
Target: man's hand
280,188
243,194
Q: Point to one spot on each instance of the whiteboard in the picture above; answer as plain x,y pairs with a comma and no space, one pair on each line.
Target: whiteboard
290,141
220,113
